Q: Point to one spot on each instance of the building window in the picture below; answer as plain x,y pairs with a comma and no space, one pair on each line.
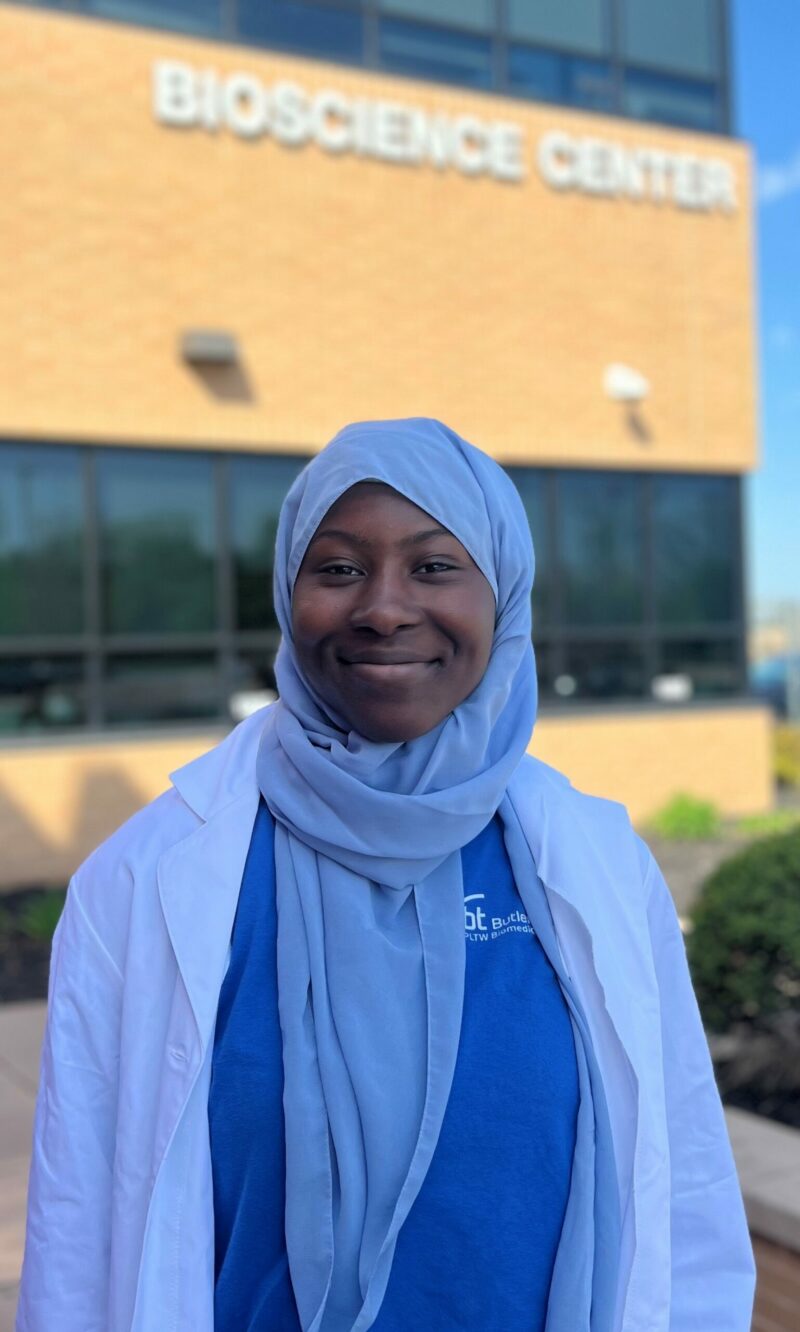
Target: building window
475,14
42,523
572,25
533,486
157,542
695,549
551,77
600,548
712,665
435,53
195,16
41,693
671,101
682,35
601,671
136,585
148,688
327,30
257,490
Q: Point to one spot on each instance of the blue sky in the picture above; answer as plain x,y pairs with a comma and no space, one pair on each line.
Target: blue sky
766,76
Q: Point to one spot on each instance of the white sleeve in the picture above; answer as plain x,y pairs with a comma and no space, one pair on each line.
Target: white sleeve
65,1272
713,1274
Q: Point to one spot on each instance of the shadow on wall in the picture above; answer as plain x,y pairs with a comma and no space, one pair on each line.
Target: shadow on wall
28,858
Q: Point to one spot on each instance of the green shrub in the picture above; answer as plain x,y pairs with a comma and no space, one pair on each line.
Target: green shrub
39,917
686,818
744,945
787,754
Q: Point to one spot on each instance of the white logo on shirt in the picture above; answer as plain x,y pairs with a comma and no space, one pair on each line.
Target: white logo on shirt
480,928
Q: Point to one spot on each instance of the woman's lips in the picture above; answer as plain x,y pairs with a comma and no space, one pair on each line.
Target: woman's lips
390,672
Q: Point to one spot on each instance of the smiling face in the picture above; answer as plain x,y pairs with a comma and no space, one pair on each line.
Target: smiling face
392,619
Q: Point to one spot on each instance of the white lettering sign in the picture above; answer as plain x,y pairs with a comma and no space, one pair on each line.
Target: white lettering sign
186,98
598,166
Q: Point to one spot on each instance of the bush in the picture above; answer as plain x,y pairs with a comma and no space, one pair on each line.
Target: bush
744,945
787,755
685,818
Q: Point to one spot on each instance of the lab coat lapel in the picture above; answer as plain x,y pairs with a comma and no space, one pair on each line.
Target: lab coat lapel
198,883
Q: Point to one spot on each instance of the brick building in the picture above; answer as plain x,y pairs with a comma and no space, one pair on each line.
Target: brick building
235,229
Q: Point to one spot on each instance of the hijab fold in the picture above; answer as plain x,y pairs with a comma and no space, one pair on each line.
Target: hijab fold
368,873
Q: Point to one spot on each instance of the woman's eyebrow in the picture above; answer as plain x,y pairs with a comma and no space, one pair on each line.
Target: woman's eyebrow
357,540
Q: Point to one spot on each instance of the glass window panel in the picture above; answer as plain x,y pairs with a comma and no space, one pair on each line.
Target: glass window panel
39,693
161,687
532,486
601,671
680,35
478,14
257,490
712,665
540,74
253,681
588,84
600,547
544,669
201,16
41,540
320,30
671,101
435,53
158,541
574,25
695,544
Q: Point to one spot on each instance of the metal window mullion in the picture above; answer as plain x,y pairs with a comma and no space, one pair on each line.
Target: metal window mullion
371,48
95,701
614,16
226,609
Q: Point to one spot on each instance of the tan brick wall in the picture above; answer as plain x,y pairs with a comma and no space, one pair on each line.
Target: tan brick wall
355,288
723,755
57,802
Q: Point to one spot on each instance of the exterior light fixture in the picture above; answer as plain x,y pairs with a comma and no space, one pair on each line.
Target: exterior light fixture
209,346
621,383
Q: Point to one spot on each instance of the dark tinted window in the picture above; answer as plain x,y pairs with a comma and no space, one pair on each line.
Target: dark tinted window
322,30
41,540
158,542
532,486
478,14
551,77
695,548
601,549
257,490
712,665
41,693
671,101
600,671
435,53
672,34
574,25
181,15
158,687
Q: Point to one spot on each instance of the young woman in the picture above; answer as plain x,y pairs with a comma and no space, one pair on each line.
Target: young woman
372,1021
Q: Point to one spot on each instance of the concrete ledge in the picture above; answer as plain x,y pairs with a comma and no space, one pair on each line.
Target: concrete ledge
768,1161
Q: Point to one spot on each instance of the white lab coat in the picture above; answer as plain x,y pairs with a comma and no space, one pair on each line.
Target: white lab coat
120,1233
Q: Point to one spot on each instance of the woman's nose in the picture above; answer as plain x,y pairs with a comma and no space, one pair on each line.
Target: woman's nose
386,603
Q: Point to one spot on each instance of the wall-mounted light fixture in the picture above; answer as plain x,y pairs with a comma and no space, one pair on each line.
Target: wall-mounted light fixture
209,346
622,383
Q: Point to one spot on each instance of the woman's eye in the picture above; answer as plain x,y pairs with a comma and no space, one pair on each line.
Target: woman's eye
340,569
436,566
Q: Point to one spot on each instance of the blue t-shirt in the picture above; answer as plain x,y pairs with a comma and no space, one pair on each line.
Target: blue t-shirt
478,1246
